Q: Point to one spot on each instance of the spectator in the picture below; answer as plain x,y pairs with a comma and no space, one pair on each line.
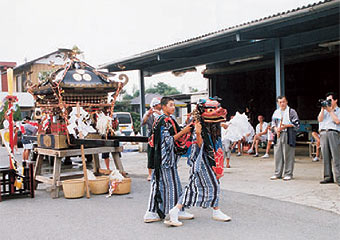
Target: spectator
226,144
270,139
261,132
15,139
148,120
29,130
285,122
316,137
329,119
246,140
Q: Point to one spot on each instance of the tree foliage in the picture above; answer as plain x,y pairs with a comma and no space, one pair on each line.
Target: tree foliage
125,105
162,89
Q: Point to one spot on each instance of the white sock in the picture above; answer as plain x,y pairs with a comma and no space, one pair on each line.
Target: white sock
175,209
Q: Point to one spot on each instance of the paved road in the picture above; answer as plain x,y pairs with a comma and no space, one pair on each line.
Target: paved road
121,217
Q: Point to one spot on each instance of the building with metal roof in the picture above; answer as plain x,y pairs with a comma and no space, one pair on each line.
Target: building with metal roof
297,40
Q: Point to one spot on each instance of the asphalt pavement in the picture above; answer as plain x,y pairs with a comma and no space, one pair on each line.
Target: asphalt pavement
121,216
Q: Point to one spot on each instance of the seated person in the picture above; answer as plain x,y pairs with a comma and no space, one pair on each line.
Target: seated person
260,136
246,140
226,144
270,139
316,137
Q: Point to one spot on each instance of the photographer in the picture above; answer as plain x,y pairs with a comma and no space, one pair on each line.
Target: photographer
329,119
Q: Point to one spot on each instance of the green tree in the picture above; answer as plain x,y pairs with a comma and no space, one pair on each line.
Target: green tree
136,121
127,96
123,106
135,94
193,90
163,89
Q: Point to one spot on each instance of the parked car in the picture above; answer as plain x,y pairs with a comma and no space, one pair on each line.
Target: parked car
125,122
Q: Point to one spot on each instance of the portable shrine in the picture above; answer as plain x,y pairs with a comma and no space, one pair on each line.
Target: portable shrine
76,83
70,103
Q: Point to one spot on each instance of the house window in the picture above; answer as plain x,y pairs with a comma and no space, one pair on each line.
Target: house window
24,79
18,84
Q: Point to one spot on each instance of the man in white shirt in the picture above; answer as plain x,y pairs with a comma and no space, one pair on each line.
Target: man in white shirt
285,122
329,119
261,135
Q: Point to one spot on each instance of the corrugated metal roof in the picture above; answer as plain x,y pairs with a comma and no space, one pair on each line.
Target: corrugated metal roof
273,17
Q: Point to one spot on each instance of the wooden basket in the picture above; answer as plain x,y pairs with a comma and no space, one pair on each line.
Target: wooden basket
123,187
74,188
100,185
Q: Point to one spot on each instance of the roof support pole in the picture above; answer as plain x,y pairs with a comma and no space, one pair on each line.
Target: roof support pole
212,87
142,100
279,69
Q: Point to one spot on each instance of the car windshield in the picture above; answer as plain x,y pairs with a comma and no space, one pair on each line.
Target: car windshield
124,118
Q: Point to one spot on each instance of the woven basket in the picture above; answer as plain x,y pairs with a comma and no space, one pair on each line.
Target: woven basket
123,187
74,188
100,185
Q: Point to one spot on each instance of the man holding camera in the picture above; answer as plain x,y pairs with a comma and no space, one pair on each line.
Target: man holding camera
329,119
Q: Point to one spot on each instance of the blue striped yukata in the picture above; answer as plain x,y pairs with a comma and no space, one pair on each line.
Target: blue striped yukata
203,189
169,183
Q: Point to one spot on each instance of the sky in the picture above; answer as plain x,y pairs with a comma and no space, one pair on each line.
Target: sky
107,30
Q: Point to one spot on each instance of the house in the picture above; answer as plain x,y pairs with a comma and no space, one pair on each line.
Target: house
3,73
25,100
31,70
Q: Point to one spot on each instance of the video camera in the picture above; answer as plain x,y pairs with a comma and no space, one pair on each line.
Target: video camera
325,103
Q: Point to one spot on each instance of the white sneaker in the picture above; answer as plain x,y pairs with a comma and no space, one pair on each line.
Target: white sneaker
173,221
265,156
183,215
316,159
238,154
287,178
151,217
218,215
250,151
274,177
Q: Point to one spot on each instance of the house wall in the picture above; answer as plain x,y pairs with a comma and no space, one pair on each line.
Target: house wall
30,73
4,85
37,68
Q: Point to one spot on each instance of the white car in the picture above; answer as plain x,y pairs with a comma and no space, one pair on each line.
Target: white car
125,122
